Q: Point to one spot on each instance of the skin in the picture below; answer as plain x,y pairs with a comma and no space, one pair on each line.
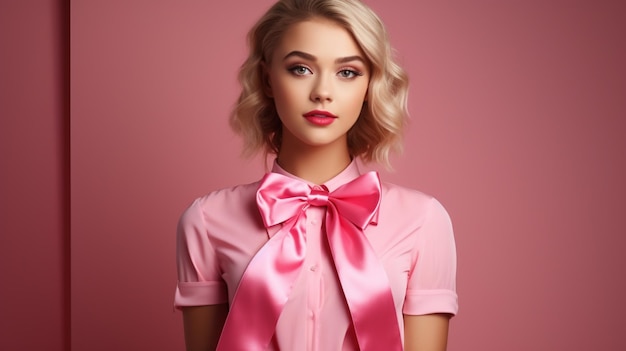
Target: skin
426,333
316,66
203,325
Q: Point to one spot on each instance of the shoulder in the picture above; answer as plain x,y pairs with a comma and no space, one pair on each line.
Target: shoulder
228,202
230,196
397,195
415,204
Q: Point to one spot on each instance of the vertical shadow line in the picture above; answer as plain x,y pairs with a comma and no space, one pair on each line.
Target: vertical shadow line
63,16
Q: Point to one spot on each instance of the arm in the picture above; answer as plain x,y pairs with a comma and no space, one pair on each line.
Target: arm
426,333
431,293
203,326
201,293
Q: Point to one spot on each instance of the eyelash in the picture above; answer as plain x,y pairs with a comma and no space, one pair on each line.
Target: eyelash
351,73
296,68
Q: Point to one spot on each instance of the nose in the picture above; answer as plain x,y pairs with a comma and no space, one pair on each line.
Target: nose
322,90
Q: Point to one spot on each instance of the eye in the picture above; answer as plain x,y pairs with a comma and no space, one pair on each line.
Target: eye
349,73
300,70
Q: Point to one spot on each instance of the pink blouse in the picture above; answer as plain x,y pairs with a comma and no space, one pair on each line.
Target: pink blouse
220,233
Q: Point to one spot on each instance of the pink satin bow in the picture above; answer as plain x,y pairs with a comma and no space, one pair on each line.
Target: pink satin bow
268,280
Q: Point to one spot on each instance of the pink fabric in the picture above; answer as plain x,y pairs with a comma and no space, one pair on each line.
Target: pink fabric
267,282
220,233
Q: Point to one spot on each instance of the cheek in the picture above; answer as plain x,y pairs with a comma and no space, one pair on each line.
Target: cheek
286,102
284,93
358,97
283,99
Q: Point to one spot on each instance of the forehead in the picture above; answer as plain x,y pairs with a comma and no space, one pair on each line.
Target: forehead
319,37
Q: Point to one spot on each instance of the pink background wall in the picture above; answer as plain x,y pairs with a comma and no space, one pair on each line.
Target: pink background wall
518,128
34,187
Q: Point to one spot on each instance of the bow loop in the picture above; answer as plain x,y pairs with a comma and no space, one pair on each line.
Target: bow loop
281,198
358,200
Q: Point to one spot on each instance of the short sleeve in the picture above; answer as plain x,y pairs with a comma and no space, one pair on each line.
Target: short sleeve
432,278
199,279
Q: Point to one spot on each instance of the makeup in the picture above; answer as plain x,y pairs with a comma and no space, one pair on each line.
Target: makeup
319,117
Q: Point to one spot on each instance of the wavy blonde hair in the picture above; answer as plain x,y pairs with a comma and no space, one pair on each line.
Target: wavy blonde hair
378,129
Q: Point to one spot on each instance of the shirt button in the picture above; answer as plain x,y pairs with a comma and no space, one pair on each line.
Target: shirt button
314,222
313,268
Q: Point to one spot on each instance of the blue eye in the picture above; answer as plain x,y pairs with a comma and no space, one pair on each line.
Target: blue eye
348,73
299,70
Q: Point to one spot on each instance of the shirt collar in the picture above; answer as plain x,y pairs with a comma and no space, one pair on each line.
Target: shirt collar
348,174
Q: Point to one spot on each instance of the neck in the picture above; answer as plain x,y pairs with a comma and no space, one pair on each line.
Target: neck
316,164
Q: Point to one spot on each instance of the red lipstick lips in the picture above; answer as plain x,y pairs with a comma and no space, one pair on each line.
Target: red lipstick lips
320,118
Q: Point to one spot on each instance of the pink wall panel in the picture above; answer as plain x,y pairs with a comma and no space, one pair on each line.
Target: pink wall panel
33,187
517,127
152,82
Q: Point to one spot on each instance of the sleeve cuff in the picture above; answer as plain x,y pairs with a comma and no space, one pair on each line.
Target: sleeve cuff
420,302
200,294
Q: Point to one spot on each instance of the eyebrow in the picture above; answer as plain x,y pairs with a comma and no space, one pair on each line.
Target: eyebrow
310,57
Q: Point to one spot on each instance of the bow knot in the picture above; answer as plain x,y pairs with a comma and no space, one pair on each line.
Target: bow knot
318,196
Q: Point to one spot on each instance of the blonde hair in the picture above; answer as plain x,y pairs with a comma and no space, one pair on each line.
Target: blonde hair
378,129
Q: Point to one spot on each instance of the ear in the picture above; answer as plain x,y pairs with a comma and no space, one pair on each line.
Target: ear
265,80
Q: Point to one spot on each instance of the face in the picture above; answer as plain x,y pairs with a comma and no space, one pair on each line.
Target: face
318,78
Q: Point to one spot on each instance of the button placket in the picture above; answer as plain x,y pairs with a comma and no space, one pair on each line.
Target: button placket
315,215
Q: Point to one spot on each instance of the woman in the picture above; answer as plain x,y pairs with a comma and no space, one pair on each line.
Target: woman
316,255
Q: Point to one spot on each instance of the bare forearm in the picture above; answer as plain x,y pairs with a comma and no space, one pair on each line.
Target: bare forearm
203,326
426,333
